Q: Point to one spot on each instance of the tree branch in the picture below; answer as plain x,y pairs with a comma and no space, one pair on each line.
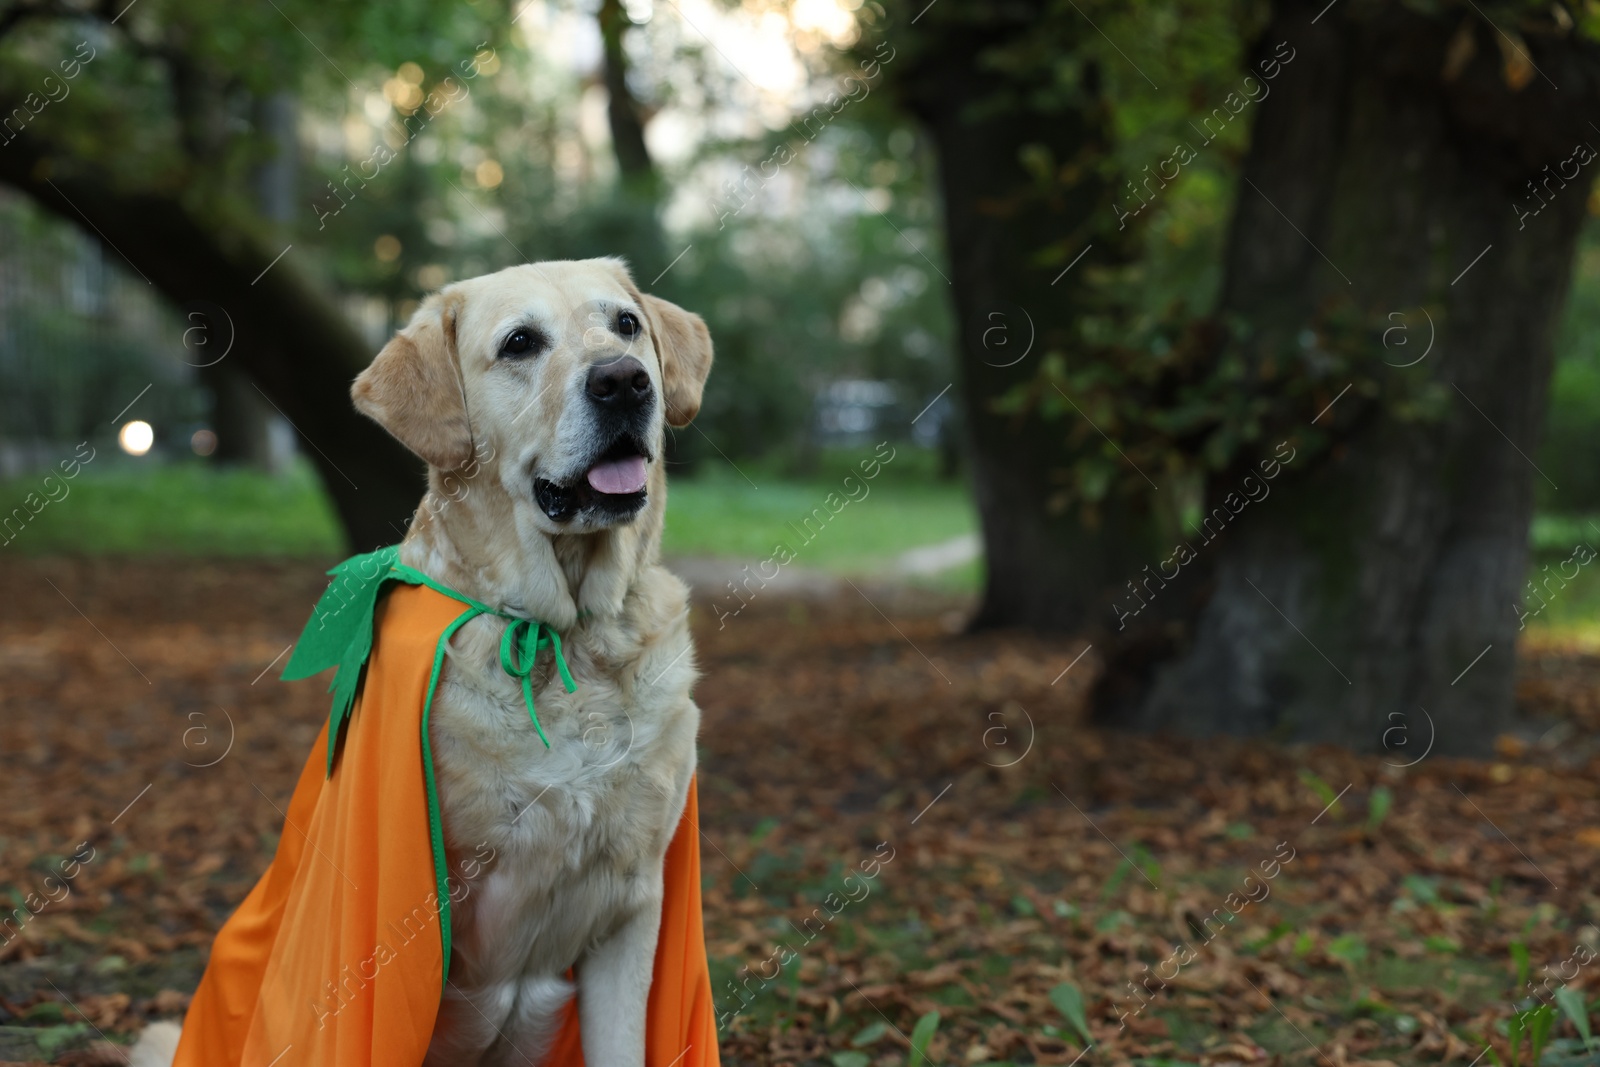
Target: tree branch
294,344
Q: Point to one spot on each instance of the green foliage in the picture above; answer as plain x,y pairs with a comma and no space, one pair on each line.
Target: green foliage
168,98
1147,381
1349,949
1567,451
795,304
1140,861
1540,1023
1112,920
869,1034
1068,1000
1135,381
921,1034
1520,959
1535,1023
1378,804
1423,889
1572,1005
793,299
174,105
1324,791
1189,398
439,145
1277,931
53,1040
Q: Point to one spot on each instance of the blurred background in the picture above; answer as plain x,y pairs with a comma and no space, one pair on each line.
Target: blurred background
1228,371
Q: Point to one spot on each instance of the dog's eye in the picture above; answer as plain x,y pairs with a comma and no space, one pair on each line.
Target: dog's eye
522,342
628,325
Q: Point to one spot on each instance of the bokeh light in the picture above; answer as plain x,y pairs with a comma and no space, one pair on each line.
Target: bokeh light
489,174
136,437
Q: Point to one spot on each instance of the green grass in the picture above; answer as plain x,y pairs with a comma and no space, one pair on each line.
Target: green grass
1572,608
196,509
719,513
187,509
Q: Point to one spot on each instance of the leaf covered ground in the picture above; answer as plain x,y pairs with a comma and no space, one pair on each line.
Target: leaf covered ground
1040,890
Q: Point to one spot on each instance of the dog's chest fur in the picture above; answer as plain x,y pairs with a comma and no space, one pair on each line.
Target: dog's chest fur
576,832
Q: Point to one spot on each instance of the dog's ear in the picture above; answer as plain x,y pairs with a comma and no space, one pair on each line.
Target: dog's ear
684,345
412,390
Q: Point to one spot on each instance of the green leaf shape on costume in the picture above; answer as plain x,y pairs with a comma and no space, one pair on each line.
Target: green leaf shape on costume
339,632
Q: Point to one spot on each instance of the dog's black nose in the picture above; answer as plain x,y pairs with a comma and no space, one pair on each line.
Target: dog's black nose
622,383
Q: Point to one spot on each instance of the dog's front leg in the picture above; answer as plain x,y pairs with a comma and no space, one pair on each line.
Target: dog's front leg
613,988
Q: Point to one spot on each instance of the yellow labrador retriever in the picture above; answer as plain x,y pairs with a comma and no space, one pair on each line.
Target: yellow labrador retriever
539,397
543,393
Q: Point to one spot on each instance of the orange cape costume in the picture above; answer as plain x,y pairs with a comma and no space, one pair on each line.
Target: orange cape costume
338,956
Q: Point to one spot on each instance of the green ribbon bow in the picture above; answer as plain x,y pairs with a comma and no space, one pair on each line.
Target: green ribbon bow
339,634
529,636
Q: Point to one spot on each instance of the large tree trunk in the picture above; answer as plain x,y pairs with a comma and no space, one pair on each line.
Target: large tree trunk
1380,580
296,346
239,414
1049,563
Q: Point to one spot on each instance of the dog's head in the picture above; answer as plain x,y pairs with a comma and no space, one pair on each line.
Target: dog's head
562,372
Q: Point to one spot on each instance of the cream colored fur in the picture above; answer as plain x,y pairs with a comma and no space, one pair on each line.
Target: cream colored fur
157,1046
578,831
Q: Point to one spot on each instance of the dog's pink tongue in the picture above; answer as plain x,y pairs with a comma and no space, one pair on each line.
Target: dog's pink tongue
619,476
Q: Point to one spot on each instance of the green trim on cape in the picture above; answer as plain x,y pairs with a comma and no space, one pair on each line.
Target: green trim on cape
339,634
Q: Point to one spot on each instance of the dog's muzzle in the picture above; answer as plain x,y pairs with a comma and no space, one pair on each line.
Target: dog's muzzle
610,487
